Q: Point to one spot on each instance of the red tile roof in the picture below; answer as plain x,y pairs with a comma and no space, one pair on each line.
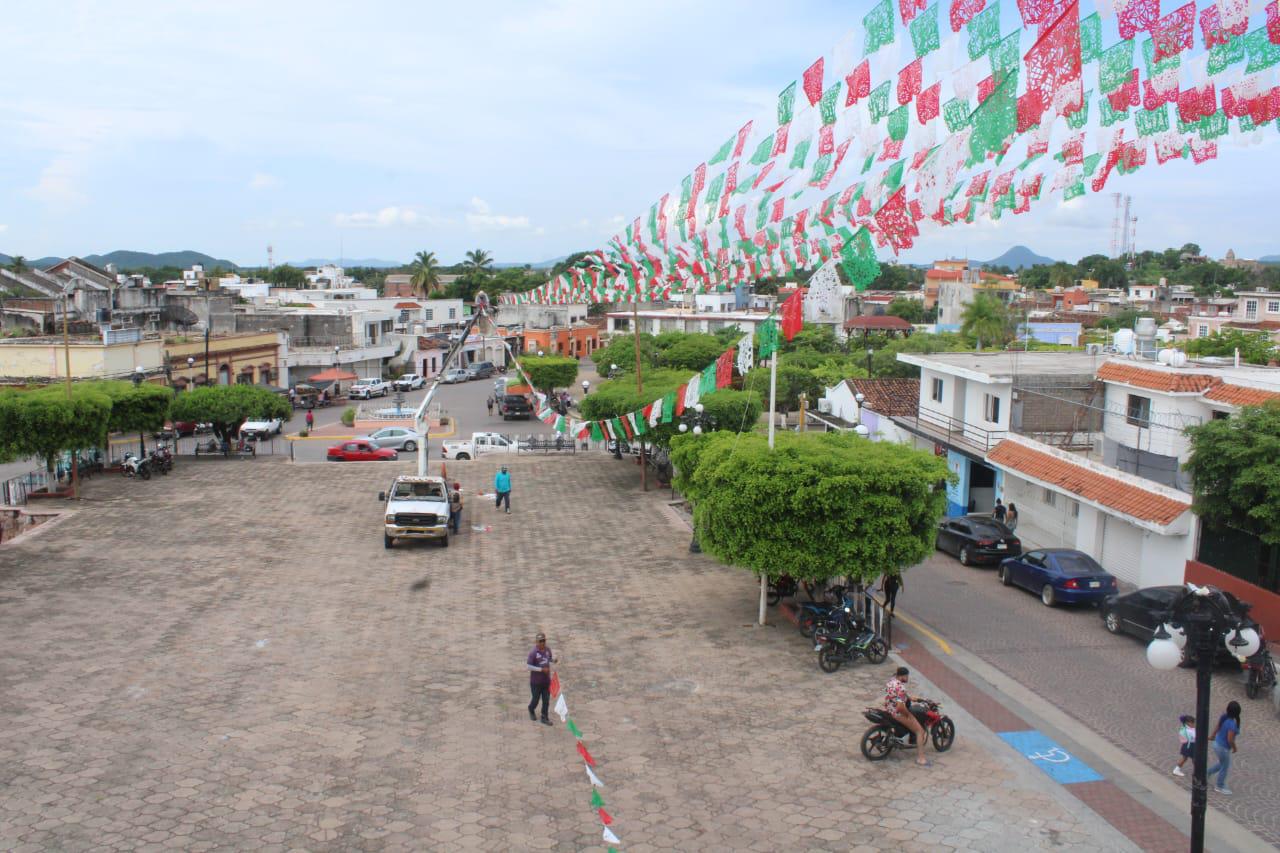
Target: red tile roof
944,275
1255,325
1240,395
1171,382
407,305
879,323
889,397
1079,479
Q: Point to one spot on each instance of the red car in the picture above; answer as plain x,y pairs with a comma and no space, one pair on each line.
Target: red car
361,451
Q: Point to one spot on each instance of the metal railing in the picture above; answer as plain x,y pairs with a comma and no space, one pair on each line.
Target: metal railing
955,430
872,610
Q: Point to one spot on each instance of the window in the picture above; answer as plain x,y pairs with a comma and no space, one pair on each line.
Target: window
453,313
1075,509
936,390
1220,415
1273,306
1048,497
1251,309
431,313
1202,331
991,408
1138,412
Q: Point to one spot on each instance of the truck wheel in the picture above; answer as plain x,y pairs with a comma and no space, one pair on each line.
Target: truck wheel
444,543
387,541
463,456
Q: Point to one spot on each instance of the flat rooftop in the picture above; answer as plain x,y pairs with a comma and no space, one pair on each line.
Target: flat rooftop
1005,366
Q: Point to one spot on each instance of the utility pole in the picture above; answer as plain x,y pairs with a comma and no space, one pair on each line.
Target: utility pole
773,403
635,331
66,350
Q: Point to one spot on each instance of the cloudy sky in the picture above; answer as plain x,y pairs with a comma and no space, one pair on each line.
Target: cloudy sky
531,129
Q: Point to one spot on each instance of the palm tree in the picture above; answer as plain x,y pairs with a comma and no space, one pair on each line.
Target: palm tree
18,264
478,262
986,320
426,276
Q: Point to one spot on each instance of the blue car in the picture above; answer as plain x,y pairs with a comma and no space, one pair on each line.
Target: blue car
1059,576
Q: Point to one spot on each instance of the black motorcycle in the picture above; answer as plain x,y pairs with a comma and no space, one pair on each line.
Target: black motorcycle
887,734
1261,669
844,639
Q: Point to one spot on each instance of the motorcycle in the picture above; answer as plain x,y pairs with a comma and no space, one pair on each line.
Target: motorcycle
782,587
887,734
847,640
161,459
132,466
812,614
1260,672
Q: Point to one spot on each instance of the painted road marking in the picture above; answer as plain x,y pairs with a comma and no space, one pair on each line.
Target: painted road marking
1061,766
942,644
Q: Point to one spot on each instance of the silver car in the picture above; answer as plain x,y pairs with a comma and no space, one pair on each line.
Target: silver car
453,376
399,438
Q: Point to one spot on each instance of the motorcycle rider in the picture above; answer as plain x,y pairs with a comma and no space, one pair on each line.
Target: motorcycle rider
898,703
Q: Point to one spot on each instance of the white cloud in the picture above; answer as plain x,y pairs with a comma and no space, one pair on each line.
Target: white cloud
58,185
387,217
482,218
3,228
263,181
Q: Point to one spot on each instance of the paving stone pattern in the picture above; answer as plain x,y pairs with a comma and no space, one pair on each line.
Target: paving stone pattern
226,658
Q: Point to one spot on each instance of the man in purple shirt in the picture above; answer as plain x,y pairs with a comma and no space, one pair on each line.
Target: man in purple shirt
539,664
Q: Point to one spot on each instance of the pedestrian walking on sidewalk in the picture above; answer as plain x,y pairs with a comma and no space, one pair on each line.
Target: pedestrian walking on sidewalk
489,404
311,420
1224,746
539,665
1011,516
502,485
1000,512
890,585
1186,742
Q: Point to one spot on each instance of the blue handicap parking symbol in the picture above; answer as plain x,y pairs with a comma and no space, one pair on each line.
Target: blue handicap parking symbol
1062,767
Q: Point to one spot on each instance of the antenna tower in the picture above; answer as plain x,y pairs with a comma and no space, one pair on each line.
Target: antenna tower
271,260
1122,227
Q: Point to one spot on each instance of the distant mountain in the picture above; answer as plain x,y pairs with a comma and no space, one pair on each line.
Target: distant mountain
377,263
34,263
126,260
1019,257
1269,259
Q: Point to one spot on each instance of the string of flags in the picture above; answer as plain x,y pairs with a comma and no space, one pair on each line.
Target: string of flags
920,119
738,356
588,763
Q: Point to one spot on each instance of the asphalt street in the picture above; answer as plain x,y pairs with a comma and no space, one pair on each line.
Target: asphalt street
1065,656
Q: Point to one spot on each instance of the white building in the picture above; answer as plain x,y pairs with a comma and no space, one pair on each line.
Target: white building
872,403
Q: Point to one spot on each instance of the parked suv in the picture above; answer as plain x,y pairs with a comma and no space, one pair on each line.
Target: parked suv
481,370
364,389
514,406
409,382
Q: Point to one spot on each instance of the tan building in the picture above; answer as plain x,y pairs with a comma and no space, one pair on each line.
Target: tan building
253,358
112,357
1231,262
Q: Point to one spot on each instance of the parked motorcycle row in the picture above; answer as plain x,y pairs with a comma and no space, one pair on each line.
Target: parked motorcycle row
159,460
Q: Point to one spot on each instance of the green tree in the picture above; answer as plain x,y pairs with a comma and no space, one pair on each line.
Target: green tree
139,408
986,321
1235,471
892,277
813,337
621,350
18,264
911,310
1190,249
818,506
885,364
726,409
693,352
426,273
287,276
478,262
548,372
43,422
1254,347
229,406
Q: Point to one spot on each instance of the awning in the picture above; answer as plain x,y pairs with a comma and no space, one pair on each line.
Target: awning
333,374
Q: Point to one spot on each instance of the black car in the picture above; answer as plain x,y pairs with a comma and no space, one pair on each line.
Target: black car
1140,613
514,406
977,539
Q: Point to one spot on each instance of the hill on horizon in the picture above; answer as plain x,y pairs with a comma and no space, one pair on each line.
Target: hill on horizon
126,260
1019,257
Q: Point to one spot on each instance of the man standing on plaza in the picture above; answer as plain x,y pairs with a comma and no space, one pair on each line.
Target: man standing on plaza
502,485
539,665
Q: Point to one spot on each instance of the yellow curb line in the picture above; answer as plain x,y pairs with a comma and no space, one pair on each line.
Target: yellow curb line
942,644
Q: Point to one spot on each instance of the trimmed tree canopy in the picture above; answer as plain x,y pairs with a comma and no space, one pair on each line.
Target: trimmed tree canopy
691,352
728,409
44,423
621,350
550,371
136,408
229,406
1235,466
818,506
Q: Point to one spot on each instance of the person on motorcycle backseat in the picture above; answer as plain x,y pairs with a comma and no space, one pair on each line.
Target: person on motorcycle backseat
898,703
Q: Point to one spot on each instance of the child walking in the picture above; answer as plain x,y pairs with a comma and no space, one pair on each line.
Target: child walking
1186,742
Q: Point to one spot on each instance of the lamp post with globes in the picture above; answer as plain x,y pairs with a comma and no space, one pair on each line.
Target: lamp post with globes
140,373
861,428
697,421
1203,618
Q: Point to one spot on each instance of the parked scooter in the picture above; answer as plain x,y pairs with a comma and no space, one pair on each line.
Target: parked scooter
887,734
132,466
161,459
845,638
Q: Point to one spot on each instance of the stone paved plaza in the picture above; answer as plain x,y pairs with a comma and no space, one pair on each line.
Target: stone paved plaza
226,658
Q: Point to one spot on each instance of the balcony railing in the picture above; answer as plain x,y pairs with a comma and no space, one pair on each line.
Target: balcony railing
952,431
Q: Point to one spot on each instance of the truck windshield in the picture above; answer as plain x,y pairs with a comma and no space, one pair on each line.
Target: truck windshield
418,491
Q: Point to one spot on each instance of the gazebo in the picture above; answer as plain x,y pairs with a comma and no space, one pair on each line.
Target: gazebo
333,376
884,323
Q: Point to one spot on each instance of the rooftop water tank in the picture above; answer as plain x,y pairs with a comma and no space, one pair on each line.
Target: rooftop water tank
1123,341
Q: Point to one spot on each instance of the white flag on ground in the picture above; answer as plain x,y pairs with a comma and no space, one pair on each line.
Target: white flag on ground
595,780
562,708
609,837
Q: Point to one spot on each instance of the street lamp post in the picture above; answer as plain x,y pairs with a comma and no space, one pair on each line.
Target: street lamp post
1202,617
191,363
696,420
860,428
870,353
206,353
139,373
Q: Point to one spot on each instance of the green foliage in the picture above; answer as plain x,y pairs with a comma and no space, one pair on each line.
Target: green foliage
1235,468
1255,347
1122,319
812,337
143,408
895,277
349,416
986,321
885,364
818,506
229,406
287,276
690,352
426,273
911,310
729,409
550,371
43,422
621,350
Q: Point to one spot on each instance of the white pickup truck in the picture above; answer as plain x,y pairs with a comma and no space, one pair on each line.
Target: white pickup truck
409,382
262,429
480,442
416,508
364,389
